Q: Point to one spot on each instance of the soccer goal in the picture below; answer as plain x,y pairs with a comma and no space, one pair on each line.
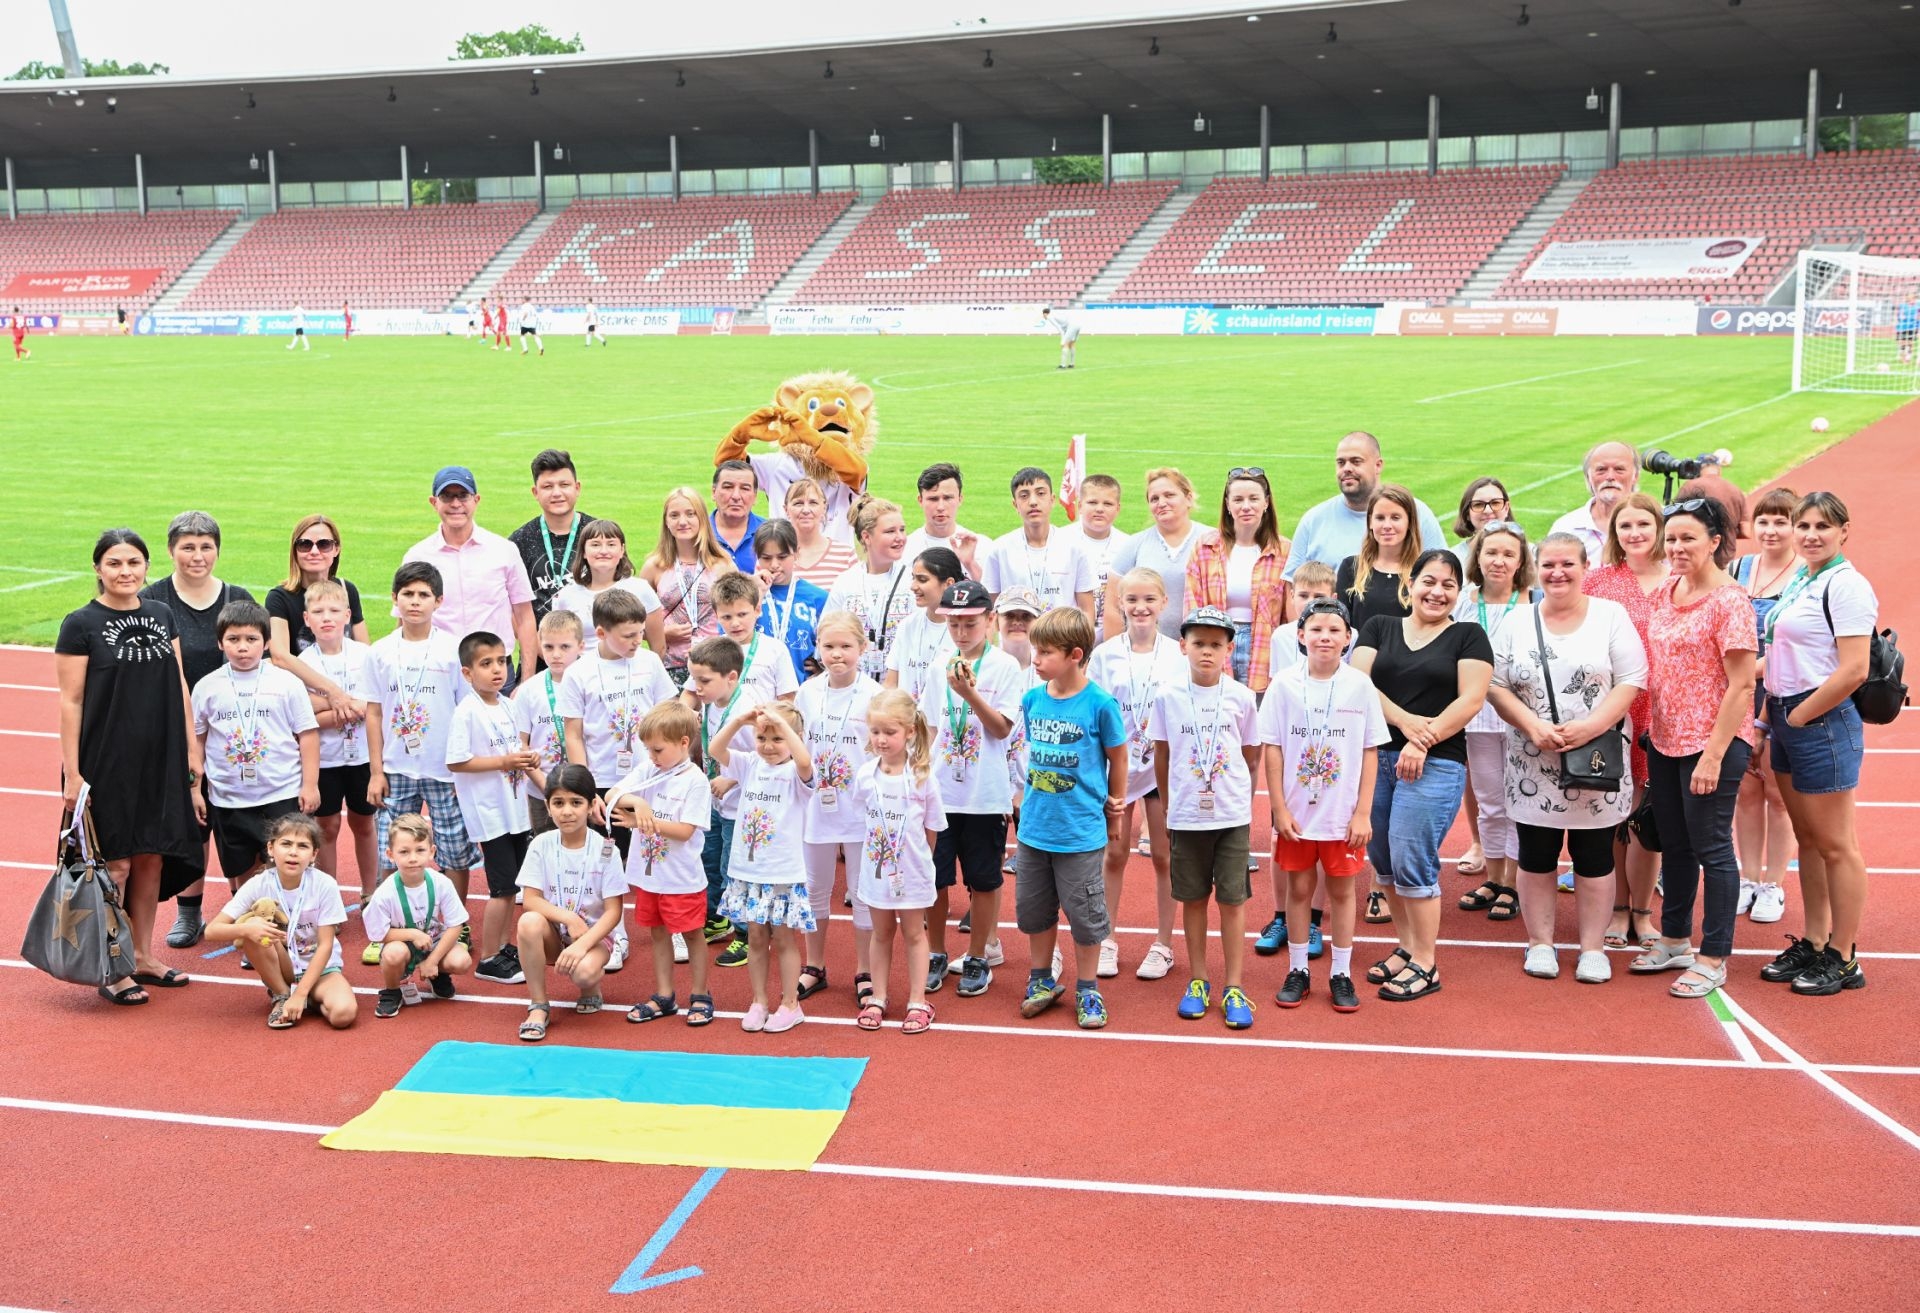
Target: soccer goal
1858,321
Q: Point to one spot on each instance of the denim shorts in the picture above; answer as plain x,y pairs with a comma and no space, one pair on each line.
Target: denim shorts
1822,757
1410,818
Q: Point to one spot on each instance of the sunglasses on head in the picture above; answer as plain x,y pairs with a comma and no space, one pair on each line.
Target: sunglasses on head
1503,526
1246,472
314,544
1686,507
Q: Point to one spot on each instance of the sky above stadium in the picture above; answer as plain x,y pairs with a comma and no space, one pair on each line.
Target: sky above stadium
206,38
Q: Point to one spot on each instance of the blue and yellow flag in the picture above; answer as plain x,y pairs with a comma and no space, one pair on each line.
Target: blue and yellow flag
686,1109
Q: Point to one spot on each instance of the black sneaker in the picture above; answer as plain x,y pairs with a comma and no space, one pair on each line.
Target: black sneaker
1797,956
975,976
503,968
443,983
936,972
966,921
718,928
387,1004
733,955
1340,989
1296,987
1830,975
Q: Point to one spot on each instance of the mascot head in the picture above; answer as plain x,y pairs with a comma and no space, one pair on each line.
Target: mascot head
836,405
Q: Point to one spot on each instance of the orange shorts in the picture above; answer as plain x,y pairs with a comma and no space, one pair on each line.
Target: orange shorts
1333,855
679,913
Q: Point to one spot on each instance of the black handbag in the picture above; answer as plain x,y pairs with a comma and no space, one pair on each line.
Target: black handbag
1599,765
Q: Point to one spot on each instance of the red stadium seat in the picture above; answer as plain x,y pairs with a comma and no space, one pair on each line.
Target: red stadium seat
168,240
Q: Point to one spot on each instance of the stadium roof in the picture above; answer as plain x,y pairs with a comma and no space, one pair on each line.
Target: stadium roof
1680,62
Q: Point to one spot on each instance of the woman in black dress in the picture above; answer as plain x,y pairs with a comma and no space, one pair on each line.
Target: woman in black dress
126,730
195,595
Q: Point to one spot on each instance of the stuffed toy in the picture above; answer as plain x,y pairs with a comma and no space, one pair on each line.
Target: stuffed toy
824,425
267,910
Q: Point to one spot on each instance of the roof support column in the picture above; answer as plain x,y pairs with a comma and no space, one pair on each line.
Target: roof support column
273,183
813,162
959,156
1813,112
406,182
673,162
1106,150
1613,126
539,178
1266,144
140,181
1433,135
13,199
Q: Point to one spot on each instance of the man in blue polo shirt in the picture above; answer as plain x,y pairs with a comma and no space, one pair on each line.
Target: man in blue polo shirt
1332,531
734,487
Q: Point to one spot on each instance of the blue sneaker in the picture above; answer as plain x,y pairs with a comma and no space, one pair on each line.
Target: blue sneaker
1273,937
1237,1008
1193,1003
1316,946
1041,995
1092,1010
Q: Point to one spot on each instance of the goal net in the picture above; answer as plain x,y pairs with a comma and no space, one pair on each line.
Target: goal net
1858,326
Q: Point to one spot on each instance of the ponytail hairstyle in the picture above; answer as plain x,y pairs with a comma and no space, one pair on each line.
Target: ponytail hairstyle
894,705
1370,547
867,511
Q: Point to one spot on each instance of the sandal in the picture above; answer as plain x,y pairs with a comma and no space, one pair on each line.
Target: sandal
919,1019
1376,913
1480,899
655,1007
130,997
1400,989
531,1031
871,1015
588,1004
1652,936
1662,958
1612,940
1506,903
1384,970
277,1018
1699,981
1466,867
809,988
862,989
167,979
699,1009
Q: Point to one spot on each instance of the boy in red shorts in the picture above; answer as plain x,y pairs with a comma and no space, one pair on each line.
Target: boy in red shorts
1323,728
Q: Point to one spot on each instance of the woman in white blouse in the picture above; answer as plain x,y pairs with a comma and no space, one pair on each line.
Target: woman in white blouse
1578,654
876,590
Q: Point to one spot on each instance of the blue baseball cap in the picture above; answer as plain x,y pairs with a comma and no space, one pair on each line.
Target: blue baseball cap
454,476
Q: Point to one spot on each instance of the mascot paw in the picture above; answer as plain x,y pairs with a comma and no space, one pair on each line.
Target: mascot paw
768,424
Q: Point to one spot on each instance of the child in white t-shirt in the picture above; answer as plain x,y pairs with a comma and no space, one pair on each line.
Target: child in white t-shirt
766,665
901,803
257,741
833,706
1323,728
299,962
414,918
536,709
717,691
609,691
668,806
766,871
575,891
490,760
1134,666
1206,752
921,642
1015,610
344,767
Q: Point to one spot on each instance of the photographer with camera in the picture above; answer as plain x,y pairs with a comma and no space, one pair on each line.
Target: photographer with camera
1613,471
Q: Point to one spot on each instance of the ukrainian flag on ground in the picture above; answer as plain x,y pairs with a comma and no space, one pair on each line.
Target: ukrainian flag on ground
686,1109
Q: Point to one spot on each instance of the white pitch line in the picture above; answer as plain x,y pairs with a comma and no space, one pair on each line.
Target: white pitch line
41,583
1522,382
1652,443
1825,1081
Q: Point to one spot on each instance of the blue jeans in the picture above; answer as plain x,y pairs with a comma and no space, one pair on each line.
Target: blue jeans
1242,651
1410,818
719,847
1696,846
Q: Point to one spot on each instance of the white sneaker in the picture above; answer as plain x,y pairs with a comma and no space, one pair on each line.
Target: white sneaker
1156,964
1144,847
1059,963
1748,891
1542,962
409,992
996,955
680,953
1253,862
1593,969
1769,903
1109,959
617,956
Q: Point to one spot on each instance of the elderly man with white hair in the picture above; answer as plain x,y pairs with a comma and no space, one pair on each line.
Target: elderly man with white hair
1613,471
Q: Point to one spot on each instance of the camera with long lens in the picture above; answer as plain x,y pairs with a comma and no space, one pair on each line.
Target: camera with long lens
1683,468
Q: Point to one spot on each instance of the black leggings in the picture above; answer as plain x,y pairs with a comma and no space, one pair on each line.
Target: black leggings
1591,850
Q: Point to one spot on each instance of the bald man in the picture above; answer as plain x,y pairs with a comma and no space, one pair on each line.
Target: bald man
1613,471
1333,530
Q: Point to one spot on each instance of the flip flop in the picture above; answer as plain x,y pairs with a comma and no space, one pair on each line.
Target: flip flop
168,979
131,997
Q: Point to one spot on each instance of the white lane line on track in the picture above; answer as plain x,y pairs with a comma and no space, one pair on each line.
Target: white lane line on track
1137,1189
31,688
32,793
30,733
1825,1081
1522,382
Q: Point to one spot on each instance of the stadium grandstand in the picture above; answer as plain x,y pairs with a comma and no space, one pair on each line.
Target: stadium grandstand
1336,154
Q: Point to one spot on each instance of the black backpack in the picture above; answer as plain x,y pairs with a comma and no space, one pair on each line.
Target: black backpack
1884,692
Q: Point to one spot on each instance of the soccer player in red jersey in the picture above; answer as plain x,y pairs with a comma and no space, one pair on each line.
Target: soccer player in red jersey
500,326
19,321
486,321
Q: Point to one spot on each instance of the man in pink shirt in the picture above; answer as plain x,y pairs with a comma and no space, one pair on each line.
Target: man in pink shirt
486,581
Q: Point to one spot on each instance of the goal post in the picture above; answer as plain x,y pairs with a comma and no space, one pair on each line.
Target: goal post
1858,324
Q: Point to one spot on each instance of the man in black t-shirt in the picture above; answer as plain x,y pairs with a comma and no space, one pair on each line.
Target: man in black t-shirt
549,543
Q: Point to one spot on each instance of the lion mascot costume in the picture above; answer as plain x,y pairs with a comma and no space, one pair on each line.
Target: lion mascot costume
824,425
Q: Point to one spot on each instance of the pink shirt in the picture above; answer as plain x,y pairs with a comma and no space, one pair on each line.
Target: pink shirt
484,579
1685,647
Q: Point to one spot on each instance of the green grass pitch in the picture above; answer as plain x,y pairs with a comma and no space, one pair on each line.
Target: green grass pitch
102,432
